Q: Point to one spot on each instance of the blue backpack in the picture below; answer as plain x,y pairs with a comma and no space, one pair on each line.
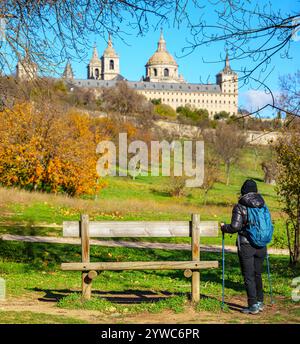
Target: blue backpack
259,227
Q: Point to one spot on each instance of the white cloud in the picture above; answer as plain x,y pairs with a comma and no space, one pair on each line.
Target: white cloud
253,100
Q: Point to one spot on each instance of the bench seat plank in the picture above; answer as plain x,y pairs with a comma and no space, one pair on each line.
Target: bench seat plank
110,229
159,265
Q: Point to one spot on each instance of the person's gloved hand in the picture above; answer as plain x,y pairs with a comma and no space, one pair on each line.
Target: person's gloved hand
223,227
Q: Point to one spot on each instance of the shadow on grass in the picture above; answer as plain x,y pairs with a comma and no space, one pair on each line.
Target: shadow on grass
130,296
127,297
161,193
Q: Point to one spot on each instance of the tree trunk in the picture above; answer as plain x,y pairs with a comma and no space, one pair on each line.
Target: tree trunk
205,197
227,172
297,234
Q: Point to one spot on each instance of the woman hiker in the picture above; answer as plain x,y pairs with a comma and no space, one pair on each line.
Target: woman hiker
251,257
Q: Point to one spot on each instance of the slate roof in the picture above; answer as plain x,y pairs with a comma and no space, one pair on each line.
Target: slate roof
149,86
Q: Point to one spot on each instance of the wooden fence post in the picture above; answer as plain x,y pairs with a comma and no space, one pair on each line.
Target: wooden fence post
85,254
196,256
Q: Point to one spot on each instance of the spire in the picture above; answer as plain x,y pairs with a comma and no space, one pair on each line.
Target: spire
68,72
227,69
95,53
109,51
227,60
109,41
161,45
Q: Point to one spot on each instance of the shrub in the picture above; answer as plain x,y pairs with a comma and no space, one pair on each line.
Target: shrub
176,186
221,115
164,110
194,116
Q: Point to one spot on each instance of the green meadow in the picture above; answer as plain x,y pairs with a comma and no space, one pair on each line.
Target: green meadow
32,270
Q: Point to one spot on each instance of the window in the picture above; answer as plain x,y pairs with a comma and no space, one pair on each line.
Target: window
166,72
155,71
96,73
111,65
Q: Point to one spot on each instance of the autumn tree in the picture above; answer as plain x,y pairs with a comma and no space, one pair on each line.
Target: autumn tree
229,141
46,148
288,187
270,171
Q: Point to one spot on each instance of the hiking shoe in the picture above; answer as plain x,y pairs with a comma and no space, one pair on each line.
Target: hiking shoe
260,306
254,309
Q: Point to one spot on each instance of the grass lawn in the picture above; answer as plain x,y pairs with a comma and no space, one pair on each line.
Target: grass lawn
32,272
17,317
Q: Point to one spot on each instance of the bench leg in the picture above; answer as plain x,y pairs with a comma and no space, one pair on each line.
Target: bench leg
196,286
86,286
195,256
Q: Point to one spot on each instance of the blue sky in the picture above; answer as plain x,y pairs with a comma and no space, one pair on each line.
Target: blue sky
137,50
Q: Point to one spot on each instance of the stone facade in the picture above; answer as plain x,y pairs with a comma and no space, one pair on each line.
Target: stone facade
106,68
163,81
162,67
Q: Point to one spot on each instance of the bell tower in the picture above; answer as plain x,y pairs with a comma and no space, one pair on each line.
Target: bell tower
95,66
227,78
110,62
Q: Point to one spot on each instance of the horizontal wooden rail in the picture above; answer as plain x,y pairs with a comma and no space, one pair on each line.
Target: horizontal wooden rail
98,229
162,265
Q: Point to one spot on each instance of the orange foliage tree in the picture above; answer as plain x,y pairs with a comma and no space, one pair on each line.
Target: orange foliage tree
47,148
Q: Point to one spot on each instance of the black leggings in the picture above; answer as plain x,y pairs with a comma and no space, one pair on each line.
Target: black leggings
251,261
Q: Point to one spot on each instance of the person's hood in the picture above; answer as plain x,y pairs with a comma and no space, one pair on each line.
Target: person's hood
252,200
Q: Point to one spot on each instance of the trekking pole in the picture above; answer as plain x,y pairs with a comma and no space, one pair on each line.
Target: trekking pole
223,270
269,278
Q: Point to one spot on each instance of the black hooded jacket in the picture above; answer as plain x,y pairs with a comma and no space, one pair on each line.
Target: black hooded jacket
239,214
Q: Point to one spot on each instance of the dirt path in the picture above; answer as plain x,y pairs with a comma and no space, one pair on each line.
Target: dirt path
165,317
120,243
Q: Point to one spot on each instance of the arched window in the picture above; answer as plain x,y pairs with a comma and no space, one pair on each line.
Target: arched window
111,65
96,73
166,72
155,71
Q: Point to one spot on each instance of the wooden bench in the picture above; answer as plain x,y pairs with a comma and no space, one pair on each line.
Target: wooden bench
194,229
